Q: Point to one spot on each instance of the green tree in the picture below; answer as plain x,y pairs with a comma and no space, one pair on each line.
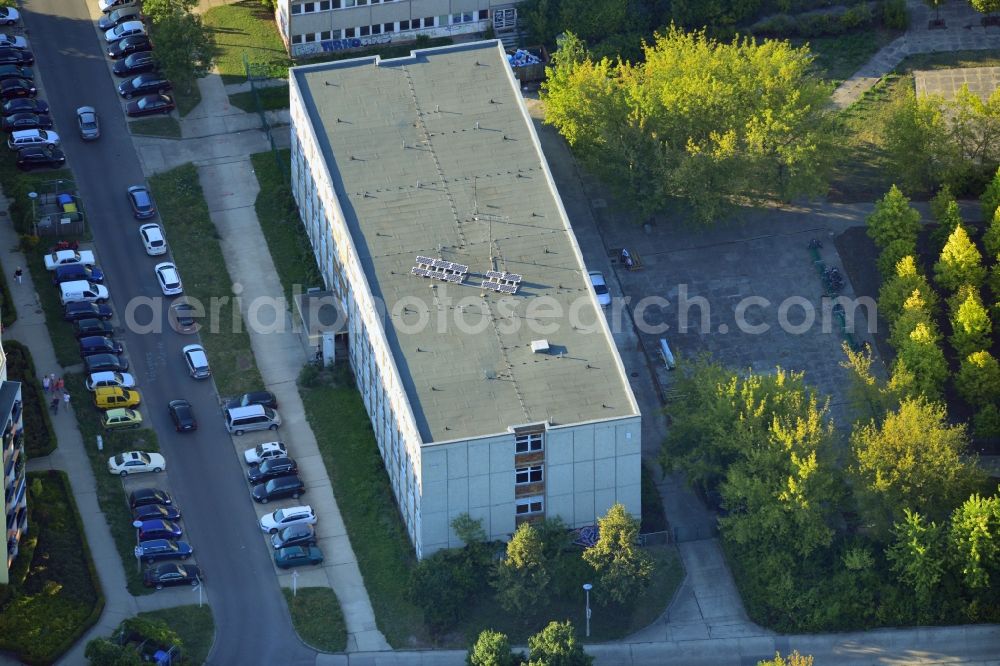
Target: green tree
443,584
492,649
970,323
974,540
794,659
592,21
986,422
917,556
991,237
913,460
994,284
522,578
897,250
945,210
893,219
922,354
667,127
898,288
103,652
623,568
960,262
915,311
985,6
468,529
157,10
990,199
185,49
869,396
978,379
556,645
917,140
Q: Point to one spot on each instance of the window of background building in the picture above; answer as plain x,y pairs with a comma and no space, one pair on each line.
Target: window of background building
528,443
524,475
325,35
348,32
529,505
389,27
484,14
404,25
377,29
415,24
296,9
296,39
429,22
310,37
365,30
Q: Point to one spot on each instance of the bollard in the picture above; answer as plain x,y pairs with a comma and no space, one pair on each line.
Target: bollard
100,443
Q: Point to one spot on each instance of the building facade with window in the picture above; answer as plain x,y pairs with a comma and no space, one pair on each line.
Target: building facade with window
15,494
316,26
483,358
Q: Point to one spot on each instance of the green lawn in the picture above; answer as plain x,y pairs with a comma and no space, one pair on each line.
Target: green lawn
272,98
248,28
198,254
194,625
839,56
186,97
166,127
51,604
110,493
317,617
39,436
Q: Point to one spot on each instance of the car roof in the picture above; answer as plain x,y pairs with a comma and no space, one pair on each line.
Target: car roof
103,375
289,510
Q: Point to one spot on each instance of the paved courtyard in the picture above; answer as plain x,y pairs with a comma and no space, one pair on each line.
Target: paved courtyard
982,81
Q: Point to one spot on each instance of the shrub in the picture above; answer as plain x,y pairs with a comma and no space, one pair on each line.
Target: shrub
978,380
960,262
970,323
8,311
492,649
986,422
894,14
945,210
39,435
901,286
443,584
924,358
893,219
991,237
990,199
893,253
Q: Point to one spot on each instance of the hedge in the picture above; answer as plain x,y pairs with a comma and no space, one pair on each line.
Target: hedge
8,311
39,435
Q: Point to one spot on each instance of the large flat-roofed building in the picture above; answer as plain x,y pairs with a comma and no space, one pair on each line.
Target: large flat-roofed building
482,355
14,504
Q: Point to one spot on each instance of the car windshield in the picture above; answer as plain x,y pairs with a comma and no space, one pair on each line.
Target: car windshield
141,198
119,459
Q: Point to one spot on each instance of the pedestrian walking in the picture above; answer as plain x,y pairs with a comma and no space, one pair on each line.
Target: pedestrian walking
52,381
60,384
18,274
45,383
66,398
54,405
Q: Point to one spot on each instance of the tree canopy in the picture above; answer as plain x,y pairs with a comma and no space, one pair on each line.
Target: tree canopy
623,569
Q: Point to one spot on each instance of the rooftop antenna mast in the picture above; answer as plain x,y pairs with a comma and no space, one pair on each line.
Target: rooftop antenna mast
489,218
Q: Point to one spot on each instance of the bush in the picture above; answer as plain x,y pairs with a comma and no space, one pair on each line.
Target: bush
39,435
8,311
893,220
960,263
978,380
986,422
443,584
894,15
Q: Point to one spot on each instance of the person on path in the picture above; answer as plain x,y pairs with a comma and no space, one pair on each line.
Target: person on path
45,383
54,405
60,384
66,398
18,274
52,381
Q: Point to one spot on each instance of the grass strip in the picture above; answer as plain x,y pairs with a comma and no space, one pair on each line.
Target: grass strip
193,624
59,597
194,242
272,98
246,28
317,618
166,127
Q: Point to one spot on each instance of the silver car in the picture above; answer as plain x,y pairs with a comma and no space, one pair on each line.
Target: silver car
86,120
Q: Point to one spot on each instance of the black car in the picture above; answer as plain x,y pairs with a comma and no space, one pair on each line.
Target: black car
12,56
13,88
71,272
148,496
265,398
182,317
146,512
163,549
109,21
99,344
128,46
296,535
25,121
141,202
182,415
105,362
144,84
84,310
170,573
150,104
25,105
16,72
87,327
36,157
281,487
271,469
137,63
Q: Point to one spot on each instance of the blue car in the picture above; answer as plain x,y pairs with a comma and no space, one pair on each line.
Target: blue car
159,529
154,512
163,549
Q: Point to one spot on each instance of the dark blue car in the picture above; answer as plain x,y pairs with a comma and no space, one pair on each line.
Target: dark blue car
163,549
159,529
155,511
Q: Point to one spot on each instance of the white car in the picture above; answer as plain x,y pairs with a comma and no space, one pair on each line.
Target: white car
169,279
600,288
110,5
132,462
113,379
54,260
15,41
294,515
10,16
123,30
265,451
152,238
197,361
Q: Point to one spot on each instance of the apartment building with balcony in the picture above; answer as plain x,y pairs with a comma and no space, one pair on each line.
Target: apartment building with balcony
14,505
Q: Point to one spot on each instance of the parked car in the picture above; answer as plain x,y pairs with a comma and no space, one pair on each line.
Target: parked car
278,520
104,362
9,15
600,286
147,496
25,105
163,549
13,56
196,361
141,201
14,88
128,46
159,529
113,379
152,239
57,258
169,279
16,72
182,415
271,469
120,15
121,418
265,398
137,63
296,535
135,462
71,272
279,488
149,105
28,138
144,84
112,397
171,573
100,344
82,290
84,310
183,316
14,41
296,556
109,5
40,157
265,451
123,30
155,512
87,327
25,121
88,123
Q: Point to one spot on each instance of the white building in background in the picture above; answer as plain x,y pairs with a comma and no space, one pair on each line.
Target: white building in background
317,26
427,199
14,504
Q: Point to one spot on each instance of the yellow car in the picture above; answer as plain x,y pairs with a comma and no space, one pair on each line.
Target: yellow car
120,419
109,397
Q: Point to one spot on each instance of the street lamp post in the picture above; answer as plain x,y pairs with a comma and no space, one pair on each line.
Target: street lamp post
34,217
587,587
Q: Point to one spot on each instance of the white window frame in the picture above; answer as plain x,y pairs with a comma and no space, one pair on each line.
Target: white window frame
529,506
531,442
532,474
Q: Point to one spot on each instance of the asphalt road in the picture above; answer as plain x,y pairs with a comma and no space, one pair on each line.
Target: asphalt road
252,622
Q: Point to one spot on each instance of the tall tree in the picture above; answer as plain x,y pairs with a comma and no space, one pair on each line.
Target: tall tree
156,10
978,380
557,645
492,649
917,140
974,541
991,237
970,323
623,568
522,578
893,219
898,288
944,208
917,556
990,199
184,47
922,354
960,262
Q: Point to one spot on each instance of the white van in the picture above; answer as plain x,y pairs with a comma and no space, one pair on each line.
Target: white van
255,417
33,137
81,290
